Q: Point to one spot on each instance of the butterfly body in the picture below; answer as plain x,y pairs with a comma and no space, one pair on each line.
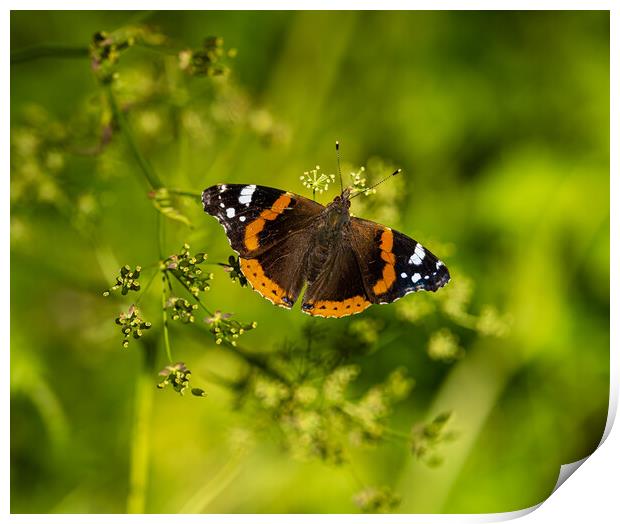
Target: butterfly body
286,241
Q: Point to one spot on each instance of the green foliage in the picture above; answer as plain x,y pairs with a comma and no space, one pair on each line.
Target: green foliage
498,143
164,202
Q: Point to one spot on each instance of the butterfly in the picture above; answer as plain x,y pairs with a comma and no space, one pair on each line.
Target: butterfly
286,241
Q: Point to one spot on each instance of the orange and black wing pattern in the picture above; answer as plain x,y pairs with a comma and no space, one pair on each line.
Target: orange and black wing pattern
270,229
338,290
393,264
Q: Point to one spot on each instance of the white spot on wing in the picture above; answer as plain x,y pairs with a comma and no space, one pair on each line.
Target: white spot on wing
403,275
230,212
245,197
415,259
222,204
420,251
438,264
242,219
416,277
222,188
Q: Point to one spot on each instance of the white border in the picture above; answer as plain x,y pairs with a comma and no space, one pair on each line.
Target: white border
591,494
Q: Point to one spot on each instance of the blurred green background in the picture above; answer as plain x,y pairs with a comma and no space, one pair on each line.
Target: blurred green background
500,121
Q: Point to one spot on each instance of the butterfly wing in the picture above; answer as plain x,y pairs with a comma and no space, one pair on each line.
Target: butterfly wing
257,217
338,290
270,229
393,264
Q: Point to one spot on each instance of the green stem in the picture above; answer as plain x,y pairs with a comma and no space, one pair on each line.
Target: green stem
48,51
164,315
180,192
218,483
397,434
146,288
165,282
198,301
140,441
125,127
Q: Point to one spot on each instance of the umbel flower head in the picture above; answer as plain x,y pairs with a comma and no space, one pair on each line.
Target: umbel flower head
234,270
209,60
181,309
126,281
316,181
178,376
132,324
226,330
185,268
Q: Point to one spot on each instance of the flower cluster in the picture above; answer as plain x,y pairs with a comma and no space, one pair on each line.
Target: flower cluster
181,309
126,281
444,345
316,181
178,376
106,48
366,330
358,182
132,324
226,330
234,270
384,207
209,60
377,500
38,157
454,302
317,417
425,438
184,267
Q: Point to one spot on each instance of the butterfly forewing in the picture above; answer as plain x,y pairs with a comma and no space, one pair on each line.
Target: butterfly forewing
270,229
257,217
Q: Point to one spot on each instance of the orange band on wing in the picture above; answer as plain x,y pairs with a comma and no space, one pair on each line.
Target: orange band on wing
388,276
336,308
253,271
256,226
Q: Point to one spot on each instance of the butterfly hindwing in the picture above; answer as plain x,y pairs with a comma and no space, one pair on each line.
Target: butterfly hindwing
277,273
338,290
393,264
257,217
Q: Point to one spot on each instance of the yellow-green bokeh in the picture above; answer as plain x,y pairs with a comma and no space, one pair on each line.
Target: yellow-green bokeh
500,121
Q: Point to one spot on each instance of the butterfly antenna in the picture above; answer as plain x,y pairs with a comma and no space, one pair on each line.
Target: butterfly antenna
338,161
380,182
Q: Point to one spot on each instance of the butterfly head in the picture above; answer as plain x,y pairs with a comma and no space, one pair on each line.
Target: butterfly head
338,210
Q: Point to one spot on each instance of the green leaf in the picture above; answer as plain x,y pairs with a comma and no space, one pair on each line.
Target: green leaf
164,203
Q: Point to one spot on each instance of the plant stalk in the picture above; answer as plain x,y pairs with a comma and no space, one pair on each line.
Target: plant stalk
140,439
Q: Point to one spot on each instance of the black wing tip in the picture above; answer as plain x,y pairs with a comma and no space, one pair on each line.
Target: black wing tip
208,194
441,279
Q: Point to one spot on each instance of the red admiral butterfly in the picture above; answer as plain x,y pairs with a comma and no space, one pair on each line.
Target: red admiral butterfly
285,240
